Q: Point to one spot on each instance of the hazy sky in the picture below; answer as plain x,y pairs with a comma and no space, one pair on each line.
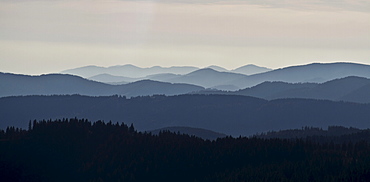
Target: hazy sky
43,36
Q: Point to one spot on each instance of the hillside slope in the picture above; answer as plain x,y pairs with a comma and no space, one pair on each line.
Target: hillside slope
315,73
57,84
231,115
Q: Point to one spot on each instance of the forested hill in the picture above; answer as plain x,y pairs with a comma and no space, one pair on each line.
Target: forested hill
228,114
77,150
198,132
348,89
59,84
333,133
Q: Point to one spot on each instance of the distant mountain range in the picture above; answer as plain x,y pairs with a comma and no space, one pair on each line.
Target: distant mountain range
250,69
132,71
350,89
56,84
207,77
228,114
128,70
311,73
175,98
229,80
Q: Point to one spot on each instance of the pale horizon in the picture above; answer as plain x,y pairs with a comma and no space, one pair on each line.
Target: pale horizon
44,36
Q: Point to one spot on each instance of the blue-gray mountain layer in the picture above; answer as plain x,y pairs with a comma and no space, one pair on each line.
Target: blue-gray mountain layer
350,89
57,84
228,114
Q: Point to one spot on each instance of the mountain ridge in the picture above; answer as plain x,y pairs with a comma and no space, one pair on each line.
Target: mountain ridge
129,70
229,114
132,71
349,89
312,73
56,84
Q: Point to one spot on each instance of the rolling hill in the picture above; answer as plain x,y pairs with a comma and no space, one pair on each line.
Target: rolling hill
314,73
56,84
228,80
228,114
111,79
128,70
218,68
250,69
349,89
207,78
132,71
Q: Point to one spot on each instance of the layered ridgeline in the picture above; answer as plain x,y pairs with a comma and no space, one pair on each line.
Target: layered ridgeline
137,72
228,114
350,89
221,78
56,84
312,73
211,77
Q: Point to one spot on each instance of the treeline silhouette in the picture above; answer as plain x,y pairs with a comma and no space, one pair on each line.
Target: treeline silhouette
79,150
229,114
306,131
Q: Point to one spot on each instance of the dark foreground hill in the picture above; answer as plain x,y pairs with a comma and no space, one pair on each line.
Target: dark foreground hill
228,114
54,84
77,150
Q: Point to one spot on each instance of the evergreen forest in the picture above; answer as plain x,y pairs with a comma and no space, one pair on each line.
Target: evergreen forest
81,150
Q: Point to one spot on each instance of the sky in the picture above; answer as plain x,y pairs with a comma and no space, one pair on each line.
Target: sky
46,36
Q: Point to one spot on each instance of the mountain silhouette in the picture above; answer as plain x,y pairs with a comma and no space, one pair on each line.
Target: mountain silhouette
229,114
131,73
119,80
128,70
164,77
351,89
316,73
111,79
250,69
225,88
150,87
55,84
226,80
218,68
207,78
